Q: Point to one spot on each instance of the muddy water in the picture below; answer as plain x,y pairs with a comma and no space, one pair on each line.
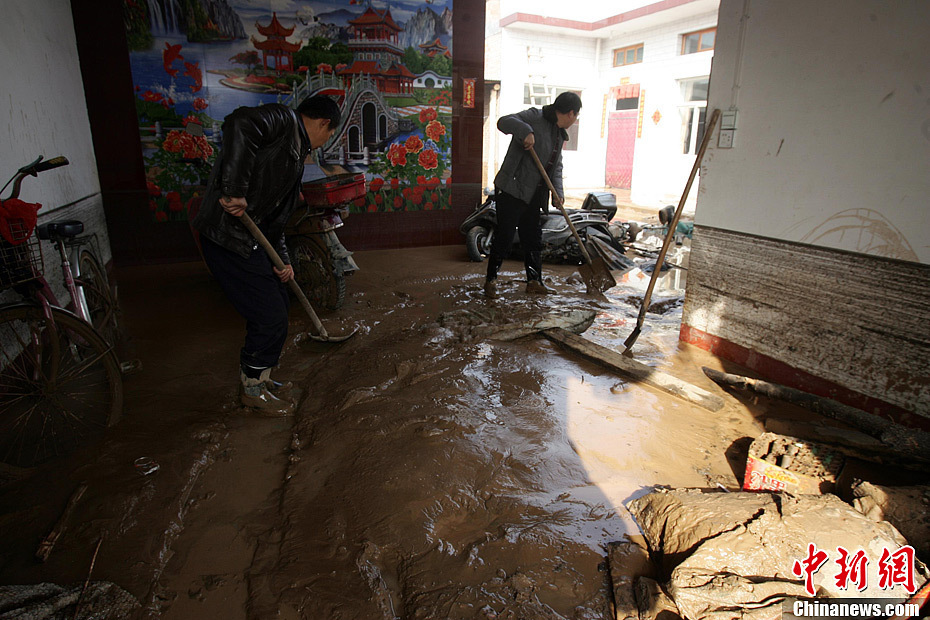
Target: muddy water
428,473
442,477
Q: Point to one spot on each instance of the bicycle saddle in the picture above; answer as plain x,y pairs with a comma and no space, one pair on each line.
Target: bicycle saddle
55,231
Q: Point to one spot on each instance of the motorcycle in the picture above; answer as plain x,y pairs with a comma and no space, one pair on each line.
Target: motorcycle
592,221
321,263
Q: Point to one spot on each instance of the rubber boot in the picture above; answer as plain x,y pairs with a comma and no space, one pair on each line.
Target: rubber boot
273,386
254,393
490,282
534,285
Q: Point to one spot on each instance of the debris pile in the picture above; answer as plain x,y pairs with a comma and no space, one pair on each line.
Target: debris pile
718,552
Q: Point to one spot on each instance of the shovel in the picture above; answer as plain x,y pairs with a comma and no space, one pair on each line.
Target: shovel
671,233
594,272
321,334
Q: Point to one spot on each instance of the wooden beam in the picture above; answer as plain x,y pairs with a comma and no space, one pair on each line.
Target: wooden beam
637,371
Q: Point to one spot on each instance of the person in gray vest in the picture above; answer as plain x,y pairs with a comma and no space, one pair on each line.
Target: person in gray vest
521,193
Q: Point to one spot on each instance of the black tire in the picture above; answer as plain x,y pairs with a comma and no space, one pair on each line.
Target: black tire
478,243
102,303
632,230
313,270
60,384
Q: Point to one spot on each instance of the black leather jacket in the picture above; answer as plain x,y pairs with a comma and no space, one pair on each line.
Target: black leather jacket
262,159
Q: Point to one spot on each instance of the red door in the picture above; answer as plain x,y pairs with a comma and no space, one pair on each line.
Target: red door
621,138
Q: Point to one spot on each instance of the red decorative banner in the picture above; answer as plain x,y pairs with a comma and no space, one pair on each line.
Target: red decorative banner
468,92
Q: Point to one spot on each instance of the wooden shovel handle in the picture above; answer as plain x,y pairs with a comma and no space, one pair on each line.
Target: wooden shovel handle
674,222
545,176
277,262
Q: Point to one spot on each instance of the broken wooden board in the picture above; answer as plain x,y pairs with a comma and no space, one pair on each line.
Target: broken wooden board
910,444
636,370
627,560
510,324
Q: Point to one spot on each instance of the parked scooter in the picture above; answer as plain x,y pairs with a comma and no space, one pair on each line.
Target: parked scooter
592,221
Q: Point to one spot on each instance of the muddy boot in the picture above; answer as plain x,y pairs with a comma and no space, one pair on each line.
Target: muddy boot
536,287
275,387
490,282
254,393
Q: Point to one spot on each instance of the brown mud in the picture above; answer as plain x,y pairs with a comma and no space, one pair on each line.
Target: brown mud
429,472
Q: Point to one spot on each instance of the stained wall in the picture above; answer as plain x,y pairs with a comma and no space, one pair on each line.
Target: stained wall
811,255
43,113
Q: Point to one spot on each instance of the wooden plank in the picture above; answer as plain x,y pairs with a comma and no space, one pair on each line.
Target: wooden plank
45,547
635,370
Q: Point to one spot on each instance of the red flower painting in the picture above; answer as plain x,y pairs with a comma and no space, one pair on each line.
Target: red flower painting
413,144
428,159
397,155
435,130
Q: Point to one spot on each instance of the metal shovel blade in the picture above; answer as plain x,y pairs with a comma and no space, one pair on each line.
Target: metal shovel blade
596,274
324,337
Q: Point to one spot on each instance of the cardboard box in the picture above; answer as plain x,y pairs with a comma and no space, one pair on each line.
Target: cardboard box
782,463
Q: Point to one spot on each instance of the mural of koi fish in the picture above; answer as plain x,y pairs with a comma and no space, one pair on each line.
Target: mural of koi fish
169,55
192,70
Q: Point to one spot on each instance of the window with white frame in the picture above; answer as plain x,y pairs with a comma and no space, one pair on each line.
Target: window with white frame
541,94
693,110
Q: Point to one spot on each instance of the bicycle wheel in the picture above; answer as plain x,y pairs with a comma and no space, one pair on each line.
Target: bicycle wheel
60,384
102,304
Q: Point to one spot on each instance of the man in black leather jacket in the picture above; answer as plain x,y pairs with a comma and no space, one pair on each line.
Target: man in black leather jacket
258,171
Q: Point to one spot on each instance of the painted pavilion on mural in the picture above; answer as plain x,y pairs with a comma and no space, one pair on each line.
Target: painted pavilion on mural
377,53
276,46
435,47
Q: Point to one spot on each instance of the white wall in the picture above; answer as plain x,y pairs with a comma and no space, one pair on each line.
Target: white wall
44,113
568,62
660,169
833,135
584,62
43,97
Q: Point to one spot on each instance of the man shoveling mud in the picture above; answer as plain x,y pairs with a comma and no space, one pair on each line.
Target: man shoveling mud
259,171
522,194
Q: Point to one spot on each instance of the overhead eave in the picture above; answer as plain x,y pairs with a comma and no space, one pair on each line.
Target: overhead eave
636,19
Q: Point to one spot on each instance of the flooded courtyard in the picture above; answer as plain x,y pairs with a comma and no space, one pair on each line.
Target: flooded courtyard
431,471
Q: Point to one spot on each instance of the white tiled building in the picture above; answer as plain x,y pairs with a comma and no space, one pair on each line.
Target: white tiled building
641,68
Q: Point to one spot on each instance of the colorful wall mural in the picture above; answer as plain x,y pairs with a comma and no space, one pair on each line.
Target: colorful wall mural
387,63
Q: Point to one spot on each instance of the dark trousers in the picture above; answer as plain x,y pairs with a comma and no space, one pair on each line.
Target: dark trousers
514,214
258,295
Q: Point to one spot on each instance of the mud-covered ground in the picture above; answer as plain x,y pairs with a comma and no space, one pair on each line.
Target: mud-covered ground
430,472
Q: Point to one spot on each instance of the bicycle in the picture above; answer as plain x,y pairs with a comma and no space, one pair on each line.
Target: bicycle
60,379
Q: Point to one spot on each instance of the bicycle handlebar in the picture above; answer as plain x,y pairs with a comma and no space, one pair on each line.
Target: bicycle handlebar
55,162
39,165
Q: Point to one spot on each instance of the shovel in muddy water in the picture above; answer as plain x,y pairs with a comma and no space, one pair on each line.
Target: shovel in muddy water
594,272
321,334
672,225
